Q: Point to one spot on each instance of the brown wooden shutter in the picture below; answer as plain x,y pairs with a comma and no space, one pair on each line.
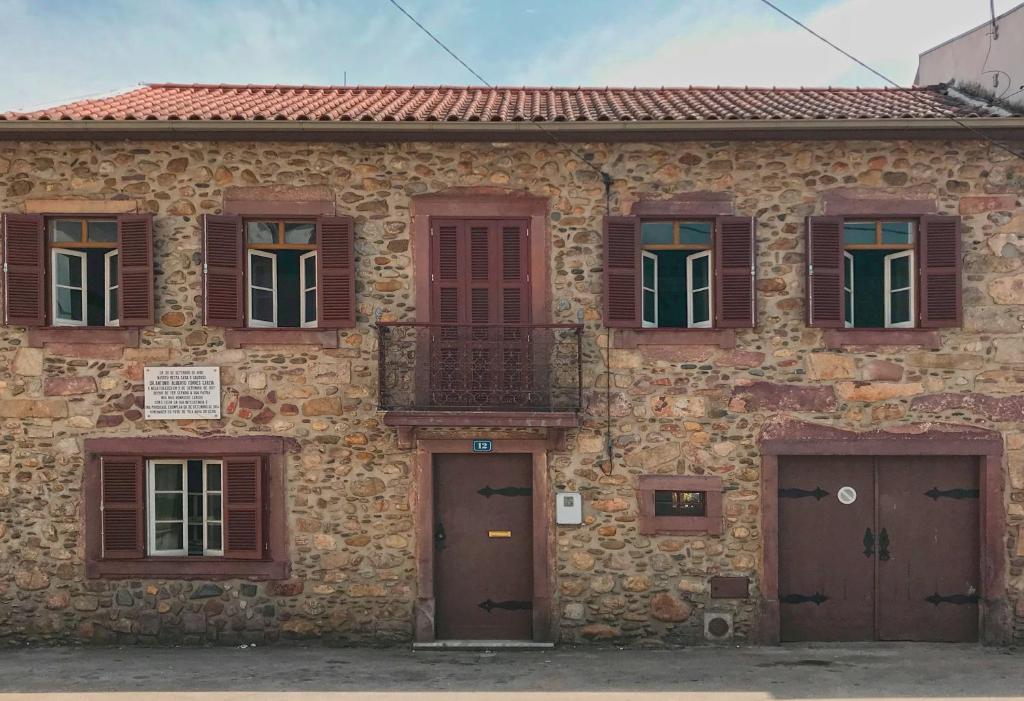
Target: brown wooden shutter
223,271
448,273
825,272
735,303
135,275
336,270
122,507
24,270
243,508
941,288
483,272
622,305
515,273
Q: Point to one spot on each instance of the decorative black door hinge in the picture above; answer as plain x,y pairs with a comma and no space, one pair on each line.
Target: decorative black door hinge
959,599
817,598
959,493
489,491
869,543
883,545
796,493
489,605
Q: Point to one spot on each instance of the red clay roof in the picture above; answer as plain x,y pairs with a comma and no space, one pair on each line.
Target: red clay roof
475,104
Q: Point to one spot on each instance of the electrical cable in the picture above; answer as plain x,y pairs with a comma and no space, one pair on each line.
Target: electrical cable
945,112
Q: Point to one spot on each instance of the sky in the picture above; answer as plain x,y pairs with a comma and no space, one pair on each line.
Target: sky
57,51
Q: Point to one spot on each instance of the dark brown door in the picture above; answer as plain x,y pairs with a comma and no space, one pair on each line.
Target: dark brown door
928,573
483,547
826,581
879,548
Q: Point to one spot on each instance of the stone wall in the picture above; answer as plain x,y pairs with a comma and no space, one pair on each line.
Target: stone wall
675,409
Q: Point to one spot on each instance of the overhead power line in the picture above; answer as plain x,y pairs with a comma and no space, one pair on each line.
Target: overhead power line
945,113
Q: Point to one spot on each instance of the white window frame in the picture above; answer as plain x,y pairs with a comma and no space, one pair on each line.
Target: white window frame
889,324
54,285
644,289
303,289
849,289
111,317
691,290
261,323
151,507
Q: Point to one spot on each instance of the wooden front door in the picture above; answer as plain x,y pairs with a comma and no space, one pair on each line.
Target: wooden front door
483,547
879,548
480,291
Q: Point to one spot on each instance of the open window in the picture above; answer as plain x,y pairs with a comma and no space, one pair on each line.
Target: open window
185,508
676,273
281,254
884,273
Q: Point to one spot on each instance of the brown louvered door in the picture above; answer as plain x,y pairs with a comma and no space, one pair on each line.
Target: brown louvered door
825,272
243,510
135,274
941,294
122,507
622,272
735,305
24,270
223,266
336,286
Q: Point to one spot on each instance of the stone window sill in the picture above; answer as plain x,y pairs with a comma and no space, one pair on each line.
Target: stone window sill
631,338
842,338
106,335
187,568
244,338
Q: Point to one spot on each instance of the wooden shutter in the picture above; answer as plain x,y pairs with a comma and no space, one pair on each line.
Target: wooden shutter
515,273
447,273
223,271
336,272
24,270
735,303
825,272
941,288
122,507
622,274
483,273
135,269
243,508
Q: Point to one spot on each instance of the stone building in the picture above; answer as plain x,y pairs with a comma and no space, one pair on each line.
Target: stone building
769,341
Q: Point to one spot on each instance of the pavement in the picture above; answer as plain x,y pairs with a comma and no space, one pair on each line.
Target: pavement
904,671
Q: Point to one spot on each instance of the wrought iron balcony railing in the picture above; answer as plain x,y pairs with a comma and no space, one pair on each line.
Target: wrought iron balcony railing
480,367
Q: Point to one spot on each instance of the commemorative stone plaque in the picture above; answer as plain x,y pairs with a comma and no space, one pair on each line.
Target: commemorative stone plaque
182,392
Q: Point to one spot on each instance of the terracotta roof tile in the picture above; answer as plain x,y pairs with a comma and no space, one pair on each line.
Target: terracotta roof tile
472,104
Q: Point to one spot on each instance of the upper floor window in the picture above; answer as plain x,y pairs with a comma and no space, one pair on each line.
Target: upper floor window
884,273
683,274
78,271
278,273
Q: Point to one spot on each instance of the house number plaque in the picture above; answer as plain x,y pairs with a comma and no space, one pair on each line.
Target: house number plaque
182,392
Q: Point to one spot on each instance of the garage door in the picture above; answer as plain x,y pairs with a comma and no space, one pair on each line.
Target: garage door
879,548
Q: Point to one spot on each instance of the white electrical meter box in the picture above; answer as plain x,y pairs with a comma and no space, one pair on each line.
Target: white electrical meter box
568,508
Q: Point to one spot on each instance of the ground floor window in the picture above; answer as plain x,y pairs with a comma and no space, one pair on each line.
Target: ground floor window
185,514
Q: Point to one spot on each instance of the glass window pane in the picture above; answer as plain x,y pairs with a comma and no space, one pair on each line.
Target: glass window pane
213,507
112,271
310,305
262,305
262,271
900,306
310,270
168,506
213,478
168,478
65,230
302,232
700,272
657,232
897,232
213,536
858,233
101,231
112,304
900,272
701,306
69,304
695,232
169,536
261,231
649,306
69,270
649,272
848,306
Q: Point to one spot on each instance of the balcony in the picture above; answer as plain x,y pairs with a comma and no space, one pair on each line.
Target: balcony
480,374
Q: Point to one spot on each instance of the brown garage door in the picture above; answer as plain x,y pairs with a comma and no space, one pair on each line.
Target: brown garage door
879,548
483,547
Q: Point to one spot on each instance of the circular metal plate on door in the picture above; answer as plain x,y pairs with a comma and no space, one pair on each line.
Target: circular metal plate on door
846,495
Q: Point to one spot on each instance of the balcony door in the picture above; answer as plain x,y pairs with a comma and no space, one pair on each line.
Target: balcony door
480,343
